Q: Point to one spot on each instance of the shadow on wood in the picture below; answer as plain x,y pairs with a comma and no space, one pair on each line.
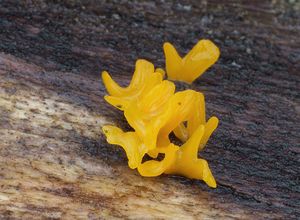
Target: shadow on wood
54,160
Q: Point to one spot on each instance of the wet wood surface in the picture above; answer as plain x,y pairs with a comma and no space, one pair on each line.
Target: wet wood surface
54,160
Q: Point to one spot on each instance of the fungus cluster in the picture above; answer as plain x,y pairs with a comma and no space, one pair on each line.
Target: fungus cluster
154,110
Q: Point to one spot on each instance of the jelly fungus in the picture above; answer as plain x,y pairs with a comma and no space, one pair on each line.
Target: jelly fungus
154,110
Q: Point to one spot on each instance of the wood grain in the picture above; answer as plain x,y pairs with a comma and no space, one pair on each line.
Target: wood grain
54,160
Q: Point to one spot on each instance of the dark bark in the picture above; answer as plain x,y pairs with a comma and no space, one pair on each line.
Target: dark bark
54,161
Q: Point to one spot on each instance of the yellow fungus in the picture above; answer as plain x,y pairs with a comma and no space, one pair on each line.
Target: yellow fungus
161,71
154,110
147,116
203,55
156,168
187,162
143,80
134,148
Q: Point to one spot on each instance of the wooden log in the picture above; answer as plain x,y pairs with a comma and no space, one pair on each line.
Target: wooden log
54,160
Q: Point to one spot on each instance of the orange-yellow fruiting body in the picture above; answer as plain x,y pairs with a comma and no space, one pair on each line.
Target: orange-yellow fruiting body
154,110
203,55
143,80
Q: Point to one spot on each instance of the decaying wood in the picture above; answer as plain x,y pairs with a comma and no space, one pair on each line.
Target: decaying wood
54,160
